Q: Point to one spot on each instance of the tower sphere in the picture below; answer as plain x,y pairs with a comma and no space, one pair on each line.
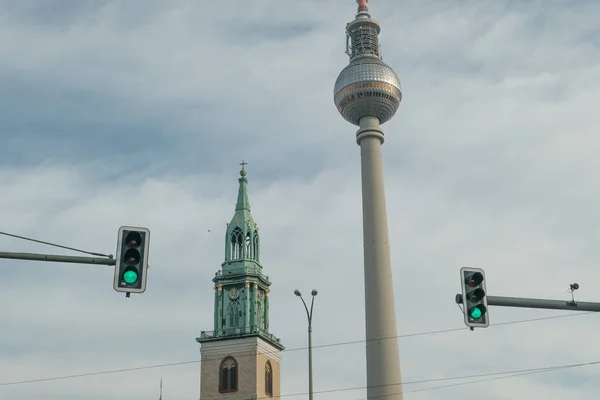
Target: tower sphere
367,87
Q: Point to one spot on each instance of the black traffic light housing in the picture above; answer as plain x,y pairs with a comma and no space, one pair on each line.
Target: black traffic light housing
474,297
132,259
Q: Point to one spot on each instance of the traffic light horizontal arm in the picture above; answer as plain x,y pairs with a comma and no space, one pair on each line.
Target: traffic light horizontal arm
57,258
522,302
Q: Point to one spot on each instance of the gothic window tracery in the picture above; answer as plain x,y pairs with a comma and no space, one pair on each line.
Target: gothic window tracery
236,244
228,375
233,313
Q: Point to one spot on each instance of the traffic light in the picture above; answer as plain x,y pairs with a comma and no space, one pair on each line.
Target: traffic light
132,259
474,297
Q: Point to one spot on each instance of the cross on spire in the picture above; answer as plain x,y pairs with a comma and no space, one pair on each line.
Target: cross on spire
243,164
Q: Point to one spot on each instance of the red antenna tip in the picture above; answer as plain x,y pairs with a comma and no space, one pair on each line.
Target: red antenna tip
362,5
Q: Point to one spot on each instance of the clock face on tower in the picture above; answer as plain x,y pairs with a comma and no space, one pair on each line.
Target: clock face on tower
234,293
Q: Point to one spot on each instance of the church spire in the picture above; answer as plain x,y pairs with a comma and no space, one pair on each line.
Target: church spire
242,201
241,238
241,317
241,288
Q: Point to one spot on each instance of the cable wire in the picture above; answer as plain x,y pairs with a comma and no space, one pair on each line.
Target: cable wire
492,376
541,370
488,374
406,335
114,371
286,350
56,245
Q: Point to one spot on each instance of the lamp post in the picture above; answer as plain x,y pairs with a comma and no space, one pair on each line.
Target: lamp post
309,315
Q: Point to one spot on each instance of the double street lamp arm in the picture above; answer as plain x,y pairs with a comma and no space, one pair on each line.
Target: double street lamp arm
308,313
309,316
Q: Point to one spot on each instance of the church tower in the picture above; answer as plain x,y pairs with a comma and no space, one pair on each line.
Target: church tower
240,357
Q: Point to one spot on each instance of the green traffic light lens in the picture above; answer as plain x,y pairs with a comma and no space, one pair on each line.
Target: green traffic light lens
477,312
130,276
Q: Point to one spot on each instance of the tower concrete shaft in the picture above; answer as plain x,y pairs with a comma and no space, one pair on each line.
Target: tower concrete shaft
383,359
367,93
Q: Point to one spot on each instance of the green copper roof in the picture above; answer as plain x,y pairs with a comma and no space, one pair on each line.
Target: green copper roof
242,201
241,290
242,237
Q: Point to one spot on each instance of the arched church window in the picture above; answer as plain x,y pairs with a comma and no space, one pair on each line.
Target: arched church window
255,246
233,314
248,248
228,376
268,379
236,243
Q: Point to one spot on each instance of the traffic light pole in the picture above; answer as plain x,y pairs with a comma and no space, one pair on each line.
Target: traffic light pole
131,262
57,258
521,302
61,259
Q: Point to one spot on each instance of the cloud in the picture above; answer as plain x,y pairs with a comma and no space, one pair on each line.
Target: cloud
138,113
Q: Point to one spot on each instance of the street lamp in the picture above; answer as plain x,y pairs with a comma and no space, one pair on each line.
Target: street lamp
309,315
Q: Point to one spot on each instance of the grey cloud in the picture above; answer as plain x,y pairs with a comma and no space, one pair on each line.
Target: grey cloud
483,167
59,13
332,257
250,33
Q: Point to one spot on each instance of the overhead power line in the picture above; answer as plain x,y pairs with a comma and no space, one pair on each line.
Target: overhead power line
114,371
492,376
512,375
489,377
407,335
173,364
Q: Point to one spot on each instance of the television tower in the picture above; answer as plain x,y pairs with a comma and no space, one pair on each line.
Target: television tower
367,93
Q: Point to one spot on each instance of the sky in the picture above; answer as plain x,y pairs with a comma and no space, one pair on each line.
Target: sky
138,112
